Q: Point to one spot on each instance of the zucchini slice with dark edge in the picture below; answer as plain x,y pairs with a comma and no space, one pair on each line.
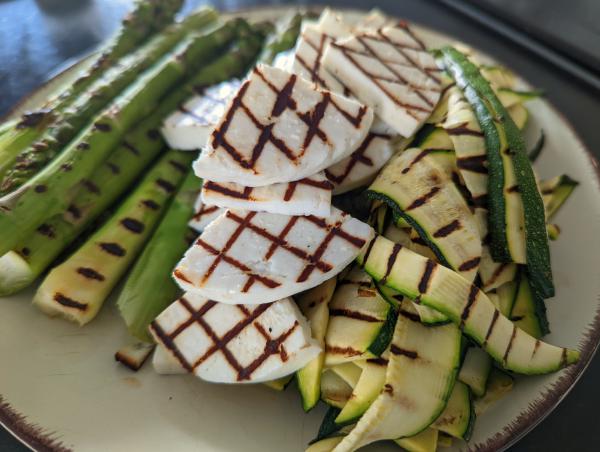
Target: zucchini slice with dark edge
458,418
475,370
368,387
314,304
334,389
528,311
465,304
503,137
422,368
361,321
426,441
499,384
405,238
280,384
418,190
555,192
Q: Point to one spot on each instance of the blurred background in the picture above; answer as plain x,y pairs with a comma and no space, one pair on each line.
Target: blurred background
555,44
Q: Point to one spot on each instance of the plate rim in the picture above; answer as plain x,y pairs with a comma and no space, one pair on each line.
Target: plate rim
37,438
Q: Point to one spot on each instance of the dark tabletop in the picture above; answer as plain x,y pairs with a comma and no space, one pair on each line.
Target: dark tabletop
37,38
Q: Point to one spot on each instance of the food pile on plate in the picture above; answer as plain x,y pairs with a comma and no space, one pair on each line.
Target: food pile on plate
407,317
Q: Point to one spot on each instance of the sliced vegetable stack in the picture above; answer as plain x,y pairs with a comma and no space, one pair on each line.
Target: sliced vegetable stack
405,325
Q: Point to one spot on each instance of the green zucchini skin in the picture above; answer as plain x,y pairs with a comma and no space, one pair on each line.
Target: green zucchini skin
458,418
465,304
538,147
528,310
328,426
493,119
555,193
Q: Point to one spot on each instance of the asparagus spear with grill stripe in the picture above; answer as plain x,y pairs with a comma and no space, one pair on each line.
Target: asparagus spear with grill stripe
51,190
282,41
147,17
94,98
149,288
31,256
77,288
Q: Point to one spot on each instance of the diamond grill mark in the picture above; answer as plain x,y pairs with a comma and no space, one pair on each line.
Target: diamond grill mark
283,102
273,345
313,261
358,156
400,49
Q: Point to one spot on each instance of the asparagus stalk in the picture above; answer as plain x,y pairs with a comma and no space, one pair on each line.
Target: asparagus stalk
31,256
146,18
149,288
94,98
77,288
51,190
284,39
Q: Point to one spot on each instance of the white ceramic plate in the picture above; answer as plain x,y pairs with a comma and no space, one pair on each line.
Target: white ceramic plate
60,388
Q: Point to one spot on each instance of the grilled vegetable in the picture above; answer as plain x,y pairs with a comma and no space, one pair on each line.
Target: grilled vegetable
280,384
528,311
475,370
77,288
367,389
555,192
243,257
361,321
145,19
314,304
499,384
51,190
297,128
283,39
419,191
448,292
426,441
501,136
403,86
95,97
458,417
149,288
422,368
32,255
258,342
334,390
308,196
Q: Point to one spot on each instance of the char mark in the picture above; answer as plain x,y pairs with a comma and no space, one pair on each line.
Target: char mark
403,352
430,267
46,230
150,204
445,231
90,273
469,264
165,185
338,312
491,327
69,302
473,294
133,225
423,199
474,164
113,248
390,263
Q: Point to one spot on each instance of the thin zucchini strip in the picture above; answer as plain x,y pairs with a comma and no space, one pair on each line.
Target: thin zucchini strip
465,304
506,151
418,190
422,368
555,193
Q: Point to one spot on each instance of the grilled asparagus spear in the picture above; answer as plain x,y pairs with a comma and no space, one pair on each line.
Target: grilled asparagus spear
284,40
150,288
147,17
77,288
51,190
31,256
94,98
